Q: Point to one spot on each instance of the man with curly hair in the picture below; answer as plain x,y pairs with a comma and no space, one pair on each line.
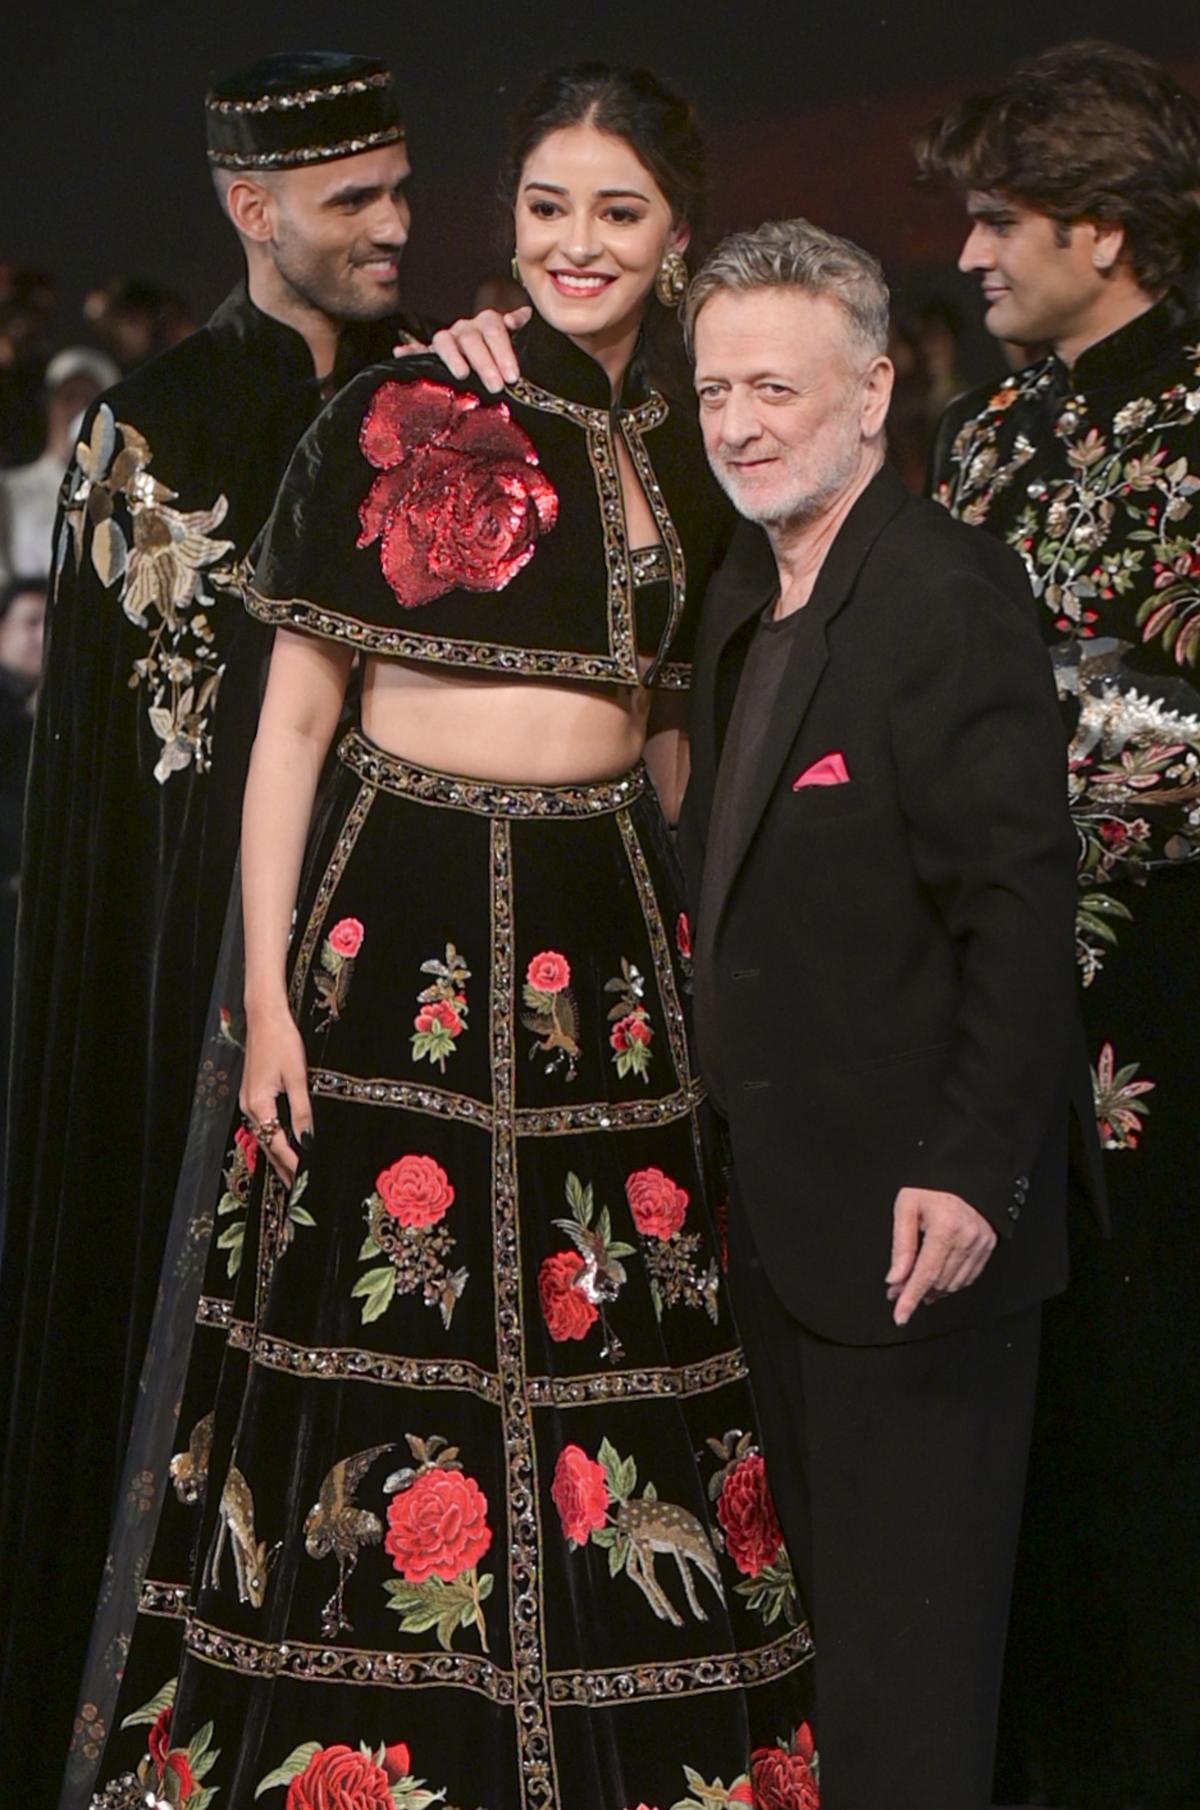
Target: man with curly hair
1081,175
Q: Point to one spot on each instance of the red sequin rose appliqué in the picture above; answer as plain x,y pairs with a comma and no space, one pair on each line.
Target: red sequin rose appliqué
460,501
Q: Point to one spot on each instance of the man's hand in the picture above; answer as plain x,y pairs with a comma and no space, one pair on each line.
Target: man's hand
481,344
939,1245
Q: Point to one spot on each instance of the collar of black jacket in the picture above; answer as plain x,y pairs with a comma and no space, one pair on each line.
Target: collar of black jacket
555,363
281,354
1139,346
749,577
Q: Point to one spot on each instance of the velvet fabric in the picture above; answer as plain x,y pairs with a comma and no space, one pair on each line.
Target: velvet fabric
553,599
144,726
1093,475
465,1503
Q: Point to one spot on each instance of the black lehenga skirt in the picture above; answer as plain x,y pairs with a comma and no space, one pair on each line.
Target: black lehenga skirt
466,1507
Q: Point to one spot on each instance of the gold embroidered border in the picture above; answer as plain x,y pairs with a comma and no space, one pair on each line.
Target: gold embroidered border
652,1383
407,1096
300,97
212,1310
526,1609
488,798
346,1665
272,1242
438,650
650,564
651,413
607,1115
158,1598
282,160
674,675
597,423
343,849
528,1121
664,971
666,527
342,1363
687,1677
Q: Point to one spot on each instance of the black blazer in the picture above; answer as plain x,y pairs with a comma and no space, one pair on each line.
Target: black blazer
886,971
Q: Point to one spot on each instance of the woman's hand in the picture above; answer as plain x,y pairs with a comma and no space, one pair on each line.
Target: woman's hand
481,344
276,1068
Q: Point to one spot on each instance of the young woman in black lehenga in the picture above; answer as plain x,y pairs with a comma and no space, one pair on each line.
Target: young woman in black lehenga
475,1515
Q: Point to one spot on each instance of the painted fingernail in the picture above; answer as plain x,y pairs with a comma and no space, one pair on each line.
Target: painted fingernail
306,1140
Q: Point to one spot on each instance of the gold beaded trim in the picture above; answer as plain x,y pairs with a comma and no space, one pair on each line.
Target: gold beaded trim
350,1363
649,564
300,97
346,1665
649,1384
437,650
529,1121
159,1598
487,798
344,848
526,1610
282,160
727,1671
408,1671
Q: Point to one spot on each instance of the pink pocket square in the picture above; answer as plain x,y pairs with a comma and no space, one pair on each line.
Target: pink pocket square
830,770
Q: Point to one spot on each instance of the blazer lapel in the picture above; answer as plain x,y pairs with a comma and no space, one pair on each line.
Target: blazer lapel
808,657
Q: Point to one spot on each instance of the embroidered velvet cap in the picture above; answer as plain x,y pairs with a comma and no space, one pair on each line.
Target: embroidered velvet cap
301,107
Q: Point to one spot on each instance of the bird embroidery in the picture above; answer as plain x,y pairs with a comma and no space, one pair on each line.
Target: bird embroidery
336,1524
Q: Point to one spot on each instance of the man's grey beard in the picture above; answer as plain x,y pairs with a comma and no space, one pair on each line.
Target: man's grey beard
797,509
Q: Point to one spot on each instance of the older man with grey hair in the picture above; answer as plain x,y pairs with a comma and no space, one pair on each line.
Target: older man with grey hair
877,842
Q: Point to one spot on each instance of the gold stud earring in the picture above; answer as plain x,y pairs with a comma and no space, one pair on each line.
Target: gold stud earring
515,267
670,285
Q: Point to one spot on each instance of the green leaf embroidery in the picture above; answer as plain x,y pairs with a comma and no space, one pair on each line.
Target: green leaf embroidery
376,1291
292,1767
150,1712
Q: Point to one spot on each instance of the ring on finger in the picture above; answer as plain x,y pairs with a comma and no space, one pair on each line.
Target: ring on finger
263,1130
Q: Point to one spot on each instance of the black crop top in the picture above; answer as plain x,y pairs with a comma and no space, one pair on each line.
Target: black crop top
425,519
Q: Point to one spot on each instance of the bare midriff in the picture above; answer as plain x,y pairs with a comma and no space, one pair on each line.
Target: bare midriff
518,731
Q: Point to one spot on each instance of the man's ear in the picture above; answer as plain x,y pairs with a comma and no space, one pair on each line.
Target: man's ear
878,380
1108,244
251,207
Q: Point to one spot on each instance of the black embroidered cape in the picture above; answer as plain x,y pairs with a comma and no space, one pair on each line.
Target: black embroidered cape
418,462
145,722
1093,475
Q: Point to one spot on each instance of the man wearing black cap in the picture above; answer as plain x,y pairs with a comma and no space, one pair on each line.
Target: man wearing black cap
144,729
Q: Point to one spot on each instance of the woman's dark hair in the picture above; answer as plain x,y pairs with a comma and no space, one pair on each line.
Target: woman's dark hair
657,124
660,127
1086,131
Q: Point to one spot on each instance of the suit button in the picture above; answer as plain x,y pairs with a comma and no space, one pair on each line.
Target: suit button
1014,1212
1022,1183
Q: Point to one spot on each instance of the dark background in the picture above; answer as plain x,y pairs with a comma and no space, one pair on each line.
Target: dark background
809,108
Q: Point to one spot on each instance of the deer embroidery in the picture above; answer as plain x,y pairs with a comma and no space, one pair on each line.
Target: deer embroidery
189,1470
586,1491
251,1560
651,1526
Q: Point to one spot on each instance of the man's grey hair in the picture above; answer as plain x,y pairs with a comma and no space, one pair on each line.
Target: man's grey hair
795,254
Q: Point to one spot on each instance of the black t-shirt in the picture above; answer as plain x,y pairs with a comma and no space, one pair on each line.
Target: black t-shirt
768,658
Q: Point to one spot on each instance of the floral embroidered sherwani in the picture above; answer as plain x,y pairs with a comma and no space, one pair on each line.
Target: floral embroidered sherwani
1093,475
